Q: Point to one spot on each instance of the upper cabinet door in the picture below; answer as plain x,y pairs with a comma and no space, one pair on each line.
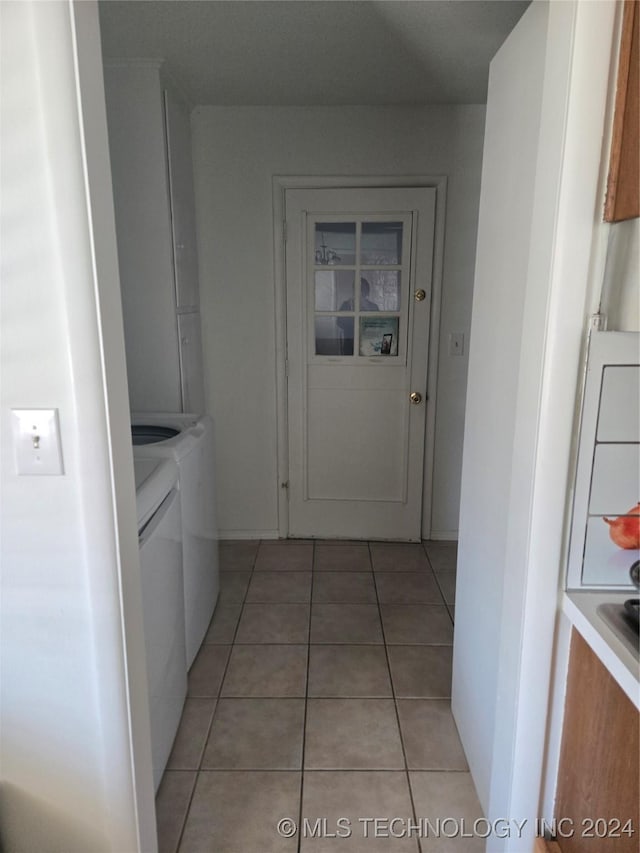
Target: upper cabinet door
182,201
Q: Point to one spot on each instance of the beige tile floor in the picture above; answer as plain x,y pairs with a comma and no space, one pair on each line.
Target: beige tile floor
321,692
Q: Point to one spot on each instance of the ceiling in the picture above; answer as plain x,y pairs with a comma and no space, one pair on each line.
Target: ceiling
316,52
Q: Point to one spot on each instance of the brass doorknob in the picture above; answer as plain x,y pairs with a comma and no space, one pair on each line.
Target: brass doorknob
415,397
419,295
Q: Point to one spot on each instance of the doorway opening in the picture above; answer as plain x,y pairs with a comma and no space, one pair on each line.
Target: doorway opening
356,405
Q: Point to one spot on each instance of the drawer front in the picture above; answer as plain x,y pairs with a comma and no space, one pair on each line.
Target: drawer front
619,413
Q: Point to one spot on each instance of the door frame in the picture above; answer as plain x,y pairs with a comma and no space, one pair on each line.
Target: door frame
282,183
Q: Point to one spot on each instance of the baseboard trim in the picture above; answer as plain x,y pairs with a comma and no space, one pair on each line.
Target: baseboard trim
247,534
436,535
444,535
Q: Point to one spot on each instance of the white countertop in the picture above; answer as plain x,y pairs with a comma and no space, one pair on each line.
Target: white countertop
581,608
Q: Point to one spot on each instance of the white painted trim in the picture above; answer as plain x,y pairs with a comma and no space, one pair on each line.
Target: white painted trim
443,536
224,535
165,75
556,717
434,350
170,82
101,233
281,183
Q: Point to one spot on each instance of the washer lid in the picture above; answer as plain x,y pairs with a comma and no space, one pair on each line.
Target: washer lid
155,477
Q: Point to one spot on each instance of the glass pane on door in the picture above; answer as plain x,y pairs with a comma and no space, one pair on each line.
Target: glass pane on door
334,335
334,290
381,243
357,312
378,336
335,243
383,290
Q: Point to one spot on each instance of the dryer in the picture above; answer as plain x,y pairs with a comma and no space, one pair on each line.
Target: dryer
162,587
188,439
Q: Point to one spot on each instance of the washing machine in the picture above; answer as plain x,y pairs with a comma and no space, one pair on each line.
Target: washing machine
162,587
188,439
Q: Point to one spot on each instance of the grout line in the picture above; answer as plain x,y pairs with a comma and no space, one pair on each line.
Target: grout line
196,776
449,606
435,574
445,602
306,704
216,699
320,770
234,642
395,700
187,810
244,600
316,643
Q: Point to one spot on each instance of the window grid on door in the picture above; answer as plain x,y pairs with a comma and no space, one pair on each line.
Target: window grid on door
358,303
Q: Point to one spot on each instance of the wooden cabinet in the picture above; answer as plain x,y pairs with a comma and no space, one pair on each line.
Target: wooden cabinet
598,774
623,185
150,146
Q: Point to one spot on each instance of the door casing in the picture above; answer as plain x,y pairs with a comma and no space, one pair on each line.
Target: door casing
280,185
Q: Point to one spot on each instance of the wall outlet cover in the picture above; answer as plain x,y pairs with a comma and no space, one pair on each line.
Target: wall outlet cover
36,439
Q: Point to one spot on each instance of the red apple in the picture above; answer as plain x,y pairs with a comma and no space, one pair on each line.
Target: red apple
625,530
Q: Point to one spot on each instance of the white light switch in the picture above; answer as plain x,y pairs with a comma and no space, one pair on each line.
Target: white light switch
36,438
456,343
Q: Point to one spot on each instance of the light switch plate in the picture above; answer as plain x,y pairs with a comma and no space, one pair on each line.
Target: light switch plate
456,343
36,439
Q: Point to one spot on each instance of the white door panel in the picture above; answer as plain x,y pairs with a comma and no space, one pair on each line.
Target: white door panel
354,451
357,348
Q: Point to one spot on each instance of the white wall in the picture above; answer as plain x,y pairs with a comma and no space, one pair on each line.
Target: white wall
621,285
506,209
145,242
73,699
502,715
236,153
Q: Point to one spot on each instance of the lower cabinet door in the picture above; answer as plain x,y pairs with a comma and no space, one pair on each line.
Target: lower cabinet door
597,794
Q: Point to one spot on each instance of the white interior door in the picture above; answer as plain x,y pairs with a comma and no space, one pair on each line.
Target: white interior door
358,269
